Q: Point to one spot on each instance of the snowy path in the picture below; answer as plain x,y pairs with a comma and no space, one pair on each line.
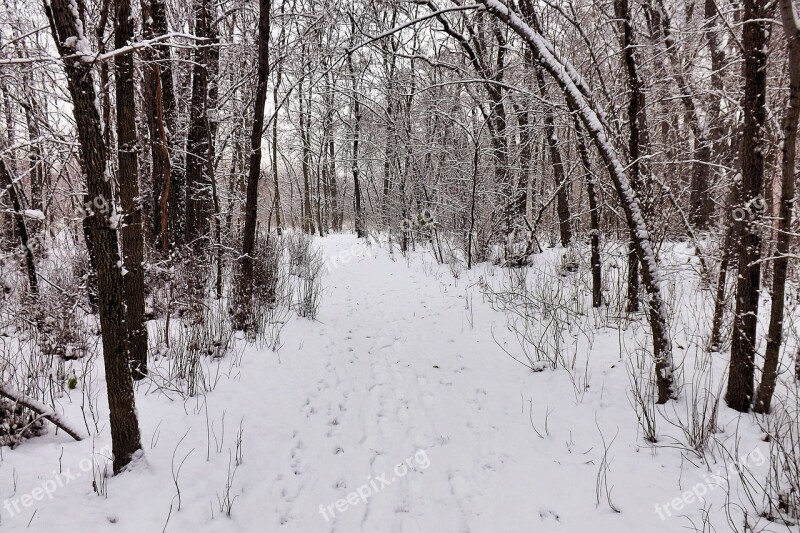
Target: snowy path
401,368
390,391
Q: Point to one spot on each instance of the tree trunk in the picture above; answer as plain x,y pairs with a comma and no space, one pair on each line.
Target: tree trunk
715,342
336,212
576,96
780,266
7,182
154,24
754,42
594,215
562,202
67,27
105,100
275,103
254,170
132,229
638,126
9,221
305,117
361,230
525,158
198,143
36,162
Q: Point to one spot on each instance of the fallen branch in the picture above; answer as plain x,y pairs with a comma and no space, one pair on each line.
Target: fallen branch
91,57
42,410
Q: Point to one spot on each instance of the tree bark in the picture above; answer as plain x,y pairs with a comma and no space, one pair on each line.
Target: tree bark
132,229
742,366
7,182
637,123
780,266
576,95
594,215
305,117
154,24
198,143
562,202
254,169
361,230
67,27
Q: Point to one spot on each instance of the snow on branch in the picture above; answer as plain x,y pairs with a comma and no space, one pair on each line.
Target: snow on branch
577,95
90,57
410,23
42,410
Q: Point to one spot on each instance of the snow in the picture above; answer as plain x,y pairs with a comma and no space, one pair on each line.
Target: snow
575,88
43,410
114,220
80,43
34,213
397,410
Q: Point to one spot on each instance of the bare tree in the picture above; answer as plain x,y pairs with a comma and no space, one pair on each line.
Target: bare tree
198,144
755,36
781,263
67,25
576,96
132,229
254,170
7,182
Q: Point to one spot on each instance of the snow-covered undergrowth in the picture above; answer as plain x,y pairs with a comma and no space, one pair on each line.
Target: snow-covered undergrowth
401,407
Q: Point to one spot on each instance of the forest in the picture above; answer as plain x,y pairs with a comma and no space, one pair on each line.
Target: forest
444,265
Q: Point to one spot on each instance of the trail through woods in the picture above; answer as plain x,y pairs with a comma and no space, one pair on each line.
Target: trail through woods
403,366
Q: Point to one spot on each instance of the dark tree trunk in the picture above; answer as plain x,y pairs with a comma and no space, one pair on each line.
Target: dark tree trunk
328,153
7,230
278,220
336,213
715,342
361,229
7,182
638,127
305,117
755,36
36,162
562,202
88,237
716,138
525,159
594,215
780,266
105,101
127,156
66,27
254,169
156,58
198,144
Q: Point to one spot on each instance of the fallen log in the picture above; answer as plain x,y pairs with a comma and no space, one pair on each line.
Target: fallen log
42,410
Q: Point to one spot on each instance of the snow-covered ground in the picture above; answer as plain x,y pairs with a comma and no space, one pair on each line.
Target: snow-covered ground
398,410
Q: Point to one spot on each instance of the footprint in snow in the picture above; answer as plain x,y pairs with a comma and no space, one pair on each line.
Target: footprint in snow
549,517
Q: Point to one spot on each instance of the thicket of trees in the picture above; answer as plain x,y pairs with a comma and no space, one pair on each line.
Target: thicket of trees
177,133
